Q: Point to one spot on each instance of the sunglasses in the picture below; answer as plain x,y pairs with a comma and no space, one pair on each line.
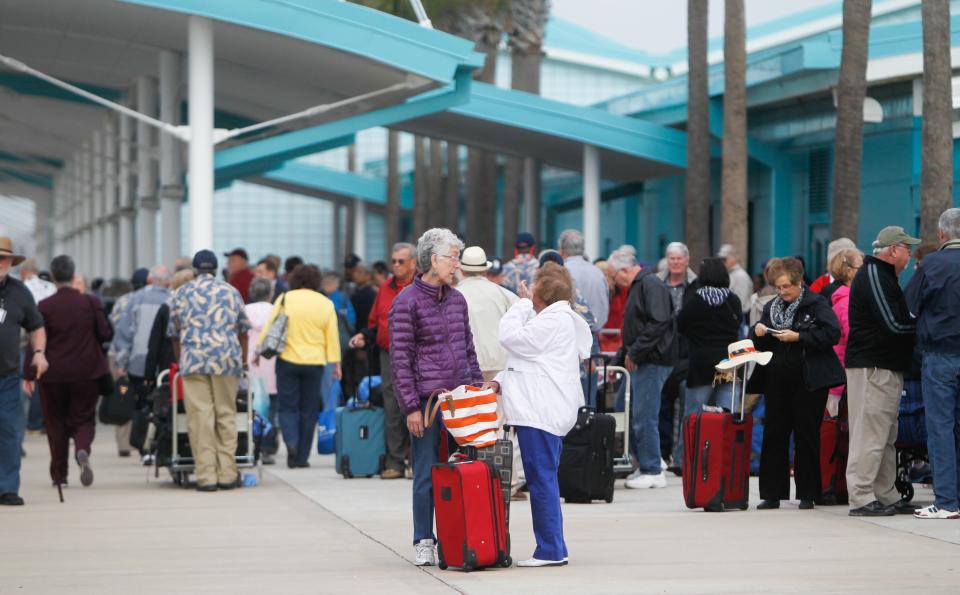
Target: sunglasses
399,261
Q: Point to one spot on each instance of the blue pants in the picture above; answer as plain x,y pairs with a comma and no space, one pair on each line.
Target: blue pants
11,428
647,383
423,454
941,399
299,394
540,452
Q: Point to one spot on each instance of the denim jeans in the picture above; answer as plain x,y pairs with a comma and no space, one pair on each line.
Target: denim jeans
647,383
11,428
941,399
698,396
299,394
540,452
423,454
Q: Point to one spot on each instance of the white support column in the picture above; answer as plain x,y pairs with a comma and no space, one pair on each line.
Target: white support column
171,171
96,268
109,160
86,220
146,175
126,256
200,43
591,201
359,228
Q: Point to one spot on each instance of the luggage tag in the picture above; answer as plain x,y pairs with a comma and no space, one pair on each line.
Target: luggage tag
448,398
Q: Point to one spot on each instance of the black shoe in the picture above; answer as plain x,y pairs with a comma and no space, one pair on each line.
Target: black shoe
123,453
210,488
303,465
10,499
903,507
227,486
806,504
872,509
768,505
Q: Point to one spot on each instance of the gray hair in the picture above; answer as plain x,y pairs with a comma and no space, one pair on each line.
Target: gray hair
405,246
621,259
950,223
677,247
728,251
571,242
435,241
261,290
159,275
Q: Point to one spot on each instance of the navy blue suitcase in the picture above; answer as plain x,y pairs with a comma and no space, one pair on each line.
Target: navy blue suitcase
360,447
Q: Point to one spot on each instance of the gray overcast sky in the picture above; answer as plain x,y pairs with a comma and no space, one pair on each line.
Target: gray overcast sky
659,26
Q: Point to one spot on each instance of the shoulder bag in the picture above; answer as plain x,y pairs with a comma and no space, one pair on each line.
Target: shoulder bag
276,339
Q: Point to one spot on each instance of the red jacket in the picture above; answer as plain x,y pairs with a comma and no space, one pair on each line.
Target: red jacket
378,324
241,280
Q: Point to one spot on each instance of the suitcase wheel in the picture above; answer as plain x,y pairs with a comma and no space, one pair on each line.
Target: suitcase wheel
506,562
345,467
609,497
442,566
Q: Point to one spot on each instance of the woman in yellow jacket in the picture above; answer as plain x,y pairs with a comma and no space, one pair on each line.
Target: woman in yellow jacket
313,341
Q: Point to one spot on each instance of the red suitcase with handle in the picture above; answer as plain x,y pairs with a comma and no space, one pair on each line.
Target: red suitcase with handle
716,459
471,516
834,446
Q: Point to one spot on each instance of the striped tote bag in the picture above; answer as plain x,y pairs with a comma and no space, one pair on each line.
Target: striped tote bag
469,414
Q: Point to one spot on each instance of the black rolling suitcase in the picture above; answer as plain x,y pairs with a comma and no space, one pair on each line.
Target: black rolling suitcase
586,462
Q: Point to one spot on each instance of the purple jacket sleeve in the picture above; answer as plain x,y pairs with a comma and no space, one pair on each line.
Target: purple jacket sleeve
474,367
403,354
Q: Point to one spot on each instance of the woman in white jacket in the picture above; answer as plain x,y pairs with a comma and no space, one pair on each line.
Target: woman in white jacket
545,340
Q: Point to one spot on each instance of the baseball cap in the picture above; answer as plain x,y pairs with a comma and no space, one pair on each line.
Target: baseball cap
525,239
139,278
235,252
893,236
205,261
351,261
550,256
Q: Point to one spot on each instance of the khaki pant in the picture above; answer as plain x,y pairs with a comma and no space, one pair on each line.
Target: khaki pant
517,478
123,437
873,400
211,405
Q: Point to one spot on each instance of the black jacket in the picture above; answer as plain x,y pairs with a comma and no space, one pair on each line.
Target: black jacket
648,322
933,295
881,327
709,330
819,331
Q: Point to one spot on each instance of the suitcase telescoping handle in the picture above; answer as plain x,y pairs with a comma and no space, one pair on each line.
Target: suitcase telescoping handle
743,391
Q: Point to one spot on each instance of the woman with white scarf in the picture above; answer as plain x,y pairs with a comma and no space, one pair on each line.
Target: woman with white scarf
545,341
800,328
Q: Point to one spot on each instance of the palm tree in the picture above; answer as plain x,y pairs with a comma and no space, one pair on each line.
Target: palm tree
436,217
851,90
392,223
698,133
936,179
452,192
734,178
421,187
527,28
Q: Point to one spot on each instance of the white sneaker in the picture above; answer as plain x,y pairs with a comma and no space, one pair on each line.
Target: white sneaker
932,512
535,563
663,465
635,474
426,553
647,481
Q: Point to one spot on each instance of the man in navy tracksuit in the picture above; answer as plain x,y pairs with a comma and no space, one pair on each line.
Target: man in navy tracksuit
933,296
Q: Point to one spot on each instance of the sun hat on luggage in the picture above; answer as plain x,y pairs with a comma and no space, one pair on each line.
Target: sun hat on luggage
742,352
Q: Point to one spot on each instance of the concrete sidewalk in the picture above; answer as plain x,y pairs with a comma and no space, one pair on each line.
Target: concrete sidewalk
310,531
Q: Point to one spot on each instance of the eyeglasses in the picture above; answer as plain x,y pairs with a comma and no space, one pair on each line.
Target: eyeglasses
782,288
454,258
400,261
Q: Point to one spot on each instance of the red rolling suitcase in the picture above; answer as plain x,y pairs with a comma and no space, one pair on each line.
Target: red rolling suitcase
471,516
716,459
834,446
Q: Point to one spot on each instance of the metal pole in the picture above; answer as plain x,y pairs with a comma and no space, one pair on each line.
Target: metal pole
109,160
171,190
96,268
146,176
126,255
201,132
591,201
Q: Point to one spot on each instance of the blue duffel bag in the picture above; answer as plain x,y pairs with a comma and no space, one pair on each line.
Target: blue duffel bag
912,421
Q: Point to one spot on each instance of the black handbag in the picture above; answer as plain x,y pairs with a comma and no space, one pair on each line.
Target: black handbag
105,385
117,407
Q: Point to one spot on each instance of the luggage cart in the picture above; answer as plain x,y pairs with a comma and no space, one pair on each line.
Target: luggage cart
182,463
622,464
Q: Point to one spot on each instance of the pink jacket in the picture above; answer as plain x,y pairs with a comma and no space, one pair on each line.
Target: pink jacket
258,314
841,306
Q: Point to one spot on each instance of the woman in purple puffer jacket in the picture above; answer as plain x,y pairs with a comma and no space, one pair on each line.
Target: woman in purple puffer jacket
431,347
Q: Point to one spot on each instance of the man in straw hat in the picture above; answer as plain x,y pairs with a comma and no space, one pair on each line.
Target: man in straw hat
17,311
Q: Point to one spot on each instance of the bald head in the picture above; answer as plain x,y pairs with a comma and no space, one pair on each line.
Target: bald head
159,275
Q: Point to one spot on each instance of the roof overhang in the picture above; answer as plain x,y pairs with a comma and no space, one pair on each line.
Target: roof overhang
272,58
521,124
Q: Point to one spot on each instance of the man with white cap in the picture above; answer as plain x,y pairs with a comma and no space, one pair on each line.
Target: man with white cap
879,351
487,302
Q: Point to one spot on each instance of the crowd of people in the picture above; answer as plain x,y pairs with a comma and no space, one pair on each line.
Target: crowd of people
440,314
